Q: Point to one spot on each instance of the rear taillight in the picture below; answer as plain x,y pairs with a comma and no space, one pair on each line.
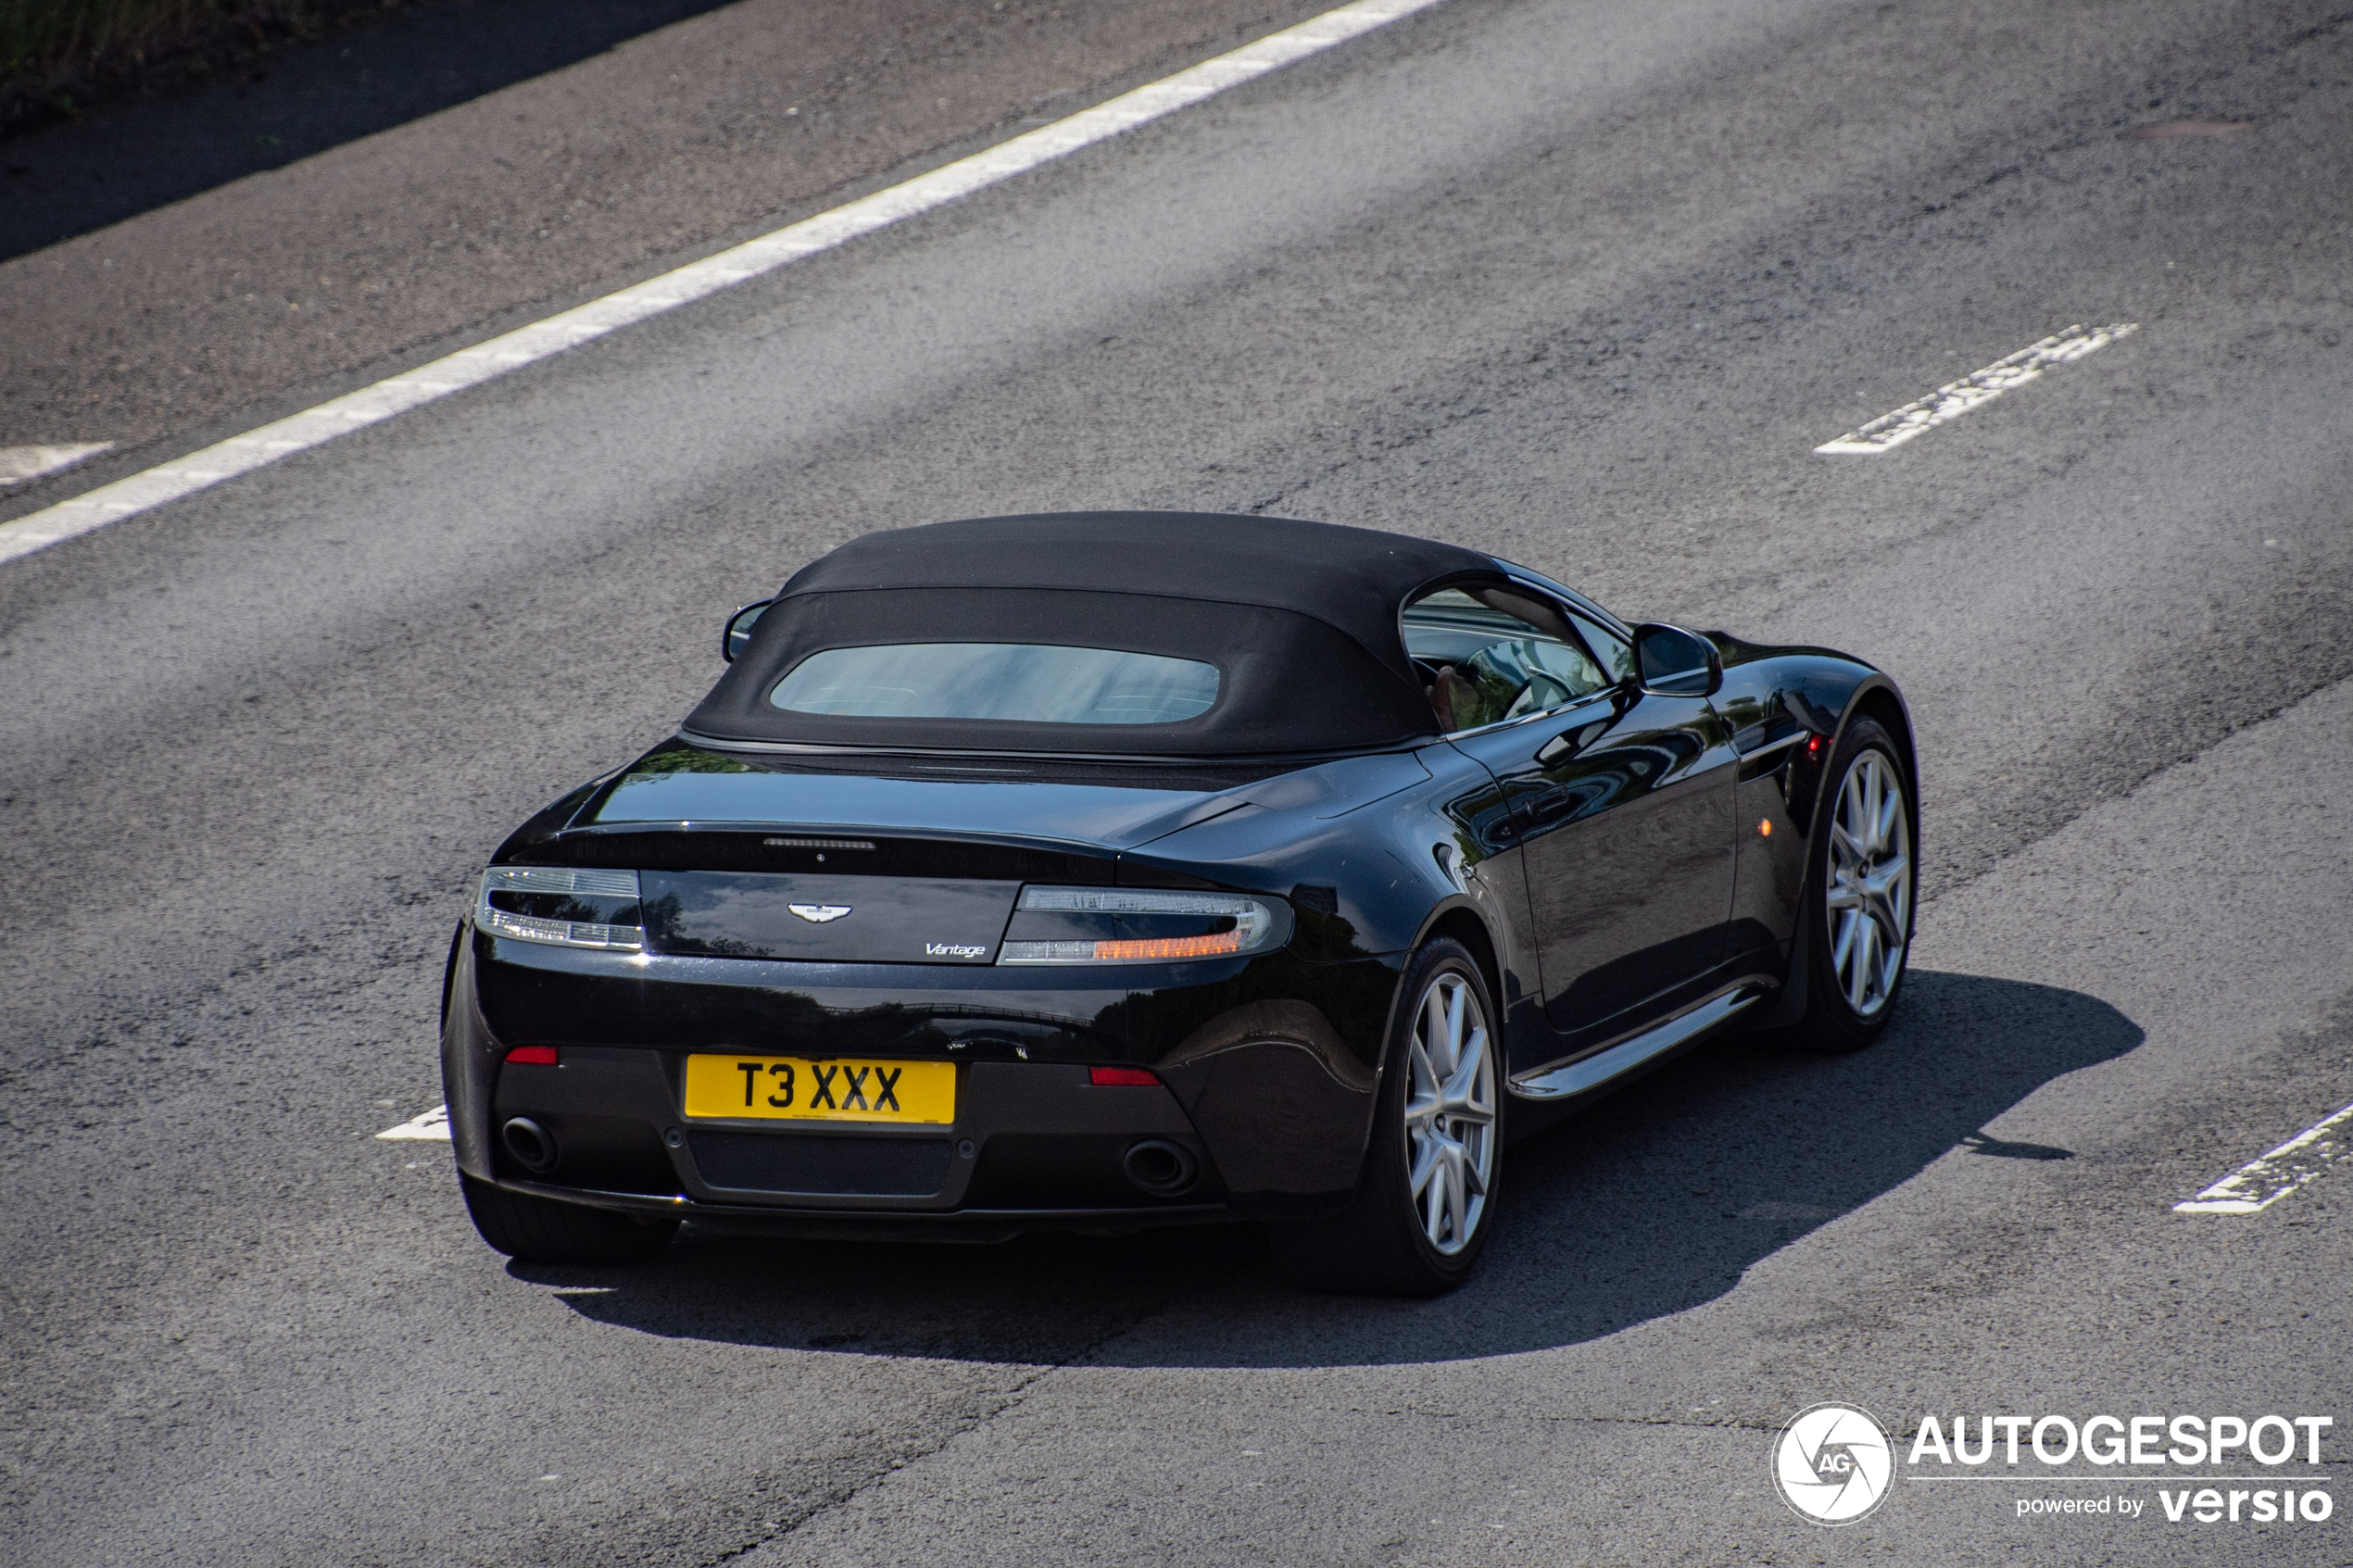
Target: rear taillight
535,1056
1111,1077
1138,925
561,905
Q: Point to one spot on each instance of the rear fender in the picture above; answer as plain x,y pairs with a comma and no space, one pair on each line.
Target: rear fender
1283,1103
470,1058
449,968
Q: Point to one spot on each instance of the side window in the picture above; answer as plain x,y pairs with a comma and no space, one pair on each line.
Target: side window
1615,653
1488,654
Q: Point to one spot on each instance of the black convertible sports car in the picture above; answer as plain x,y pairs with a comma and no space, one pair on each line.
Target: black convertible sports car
1110,870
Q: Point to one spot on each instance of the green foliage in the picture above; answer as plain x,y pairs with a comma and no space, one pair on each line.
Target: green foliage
49,46
38,33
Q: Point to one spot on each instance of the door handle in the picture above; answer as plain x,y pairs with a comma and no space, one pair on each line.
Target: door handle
1568,743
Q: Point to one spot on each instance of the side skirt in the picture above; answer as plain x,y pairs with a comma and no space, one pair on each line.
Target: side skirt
1558,1088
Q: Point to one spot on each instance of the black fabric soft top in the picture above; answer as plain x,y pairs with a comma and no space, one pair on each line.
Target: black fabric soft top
1300,618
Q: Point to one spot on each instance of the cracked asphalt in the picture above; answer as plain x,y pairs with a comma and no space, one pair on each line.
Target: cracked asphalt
1581,282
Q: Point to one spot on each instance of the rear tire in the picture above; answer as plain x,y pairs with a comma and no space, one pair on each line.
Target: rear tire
540,1230
1859,894
1437,1117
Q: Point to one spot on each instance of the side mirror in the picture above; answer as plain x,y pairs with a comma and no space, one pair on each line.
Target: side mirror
1676,663
738,633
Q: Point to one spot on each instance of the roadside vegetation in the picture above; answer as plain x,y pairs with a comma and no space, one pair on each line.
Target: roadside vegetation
57,55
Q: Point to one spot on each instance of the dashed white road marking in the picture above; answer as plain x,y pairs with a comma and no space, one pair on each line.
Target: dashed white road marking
525,346
21,463
1956,398
2299,1163
433,1126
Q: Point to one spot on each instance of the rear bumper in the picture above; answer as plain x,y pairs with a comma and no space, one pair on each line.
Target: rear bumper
1266,1101
1029,1136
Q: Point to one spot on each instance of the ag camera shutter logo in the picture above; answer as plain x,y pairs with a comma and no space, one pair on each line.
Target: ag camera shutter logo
1832,1464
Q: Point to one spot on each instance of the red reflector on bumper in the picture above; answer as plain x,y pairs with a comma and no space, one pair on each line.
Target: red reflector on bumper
535,1056
1113,1077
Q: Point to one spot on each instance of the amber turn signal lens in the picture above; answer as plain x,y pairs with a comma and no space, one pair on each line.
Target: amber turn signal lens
1169,947
1765,827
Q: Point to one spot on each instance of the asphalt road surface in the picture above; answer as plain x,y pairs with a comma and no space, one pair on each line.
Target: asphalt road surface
1584,284
377,193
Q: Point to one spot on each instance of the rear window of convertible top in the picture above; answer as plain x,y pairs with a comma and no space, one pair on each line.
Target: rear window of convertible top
1033,682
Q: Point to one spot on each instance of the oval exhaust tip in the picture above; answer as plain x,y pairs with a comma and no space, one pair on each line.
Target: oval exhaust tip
532,1144
1159,1167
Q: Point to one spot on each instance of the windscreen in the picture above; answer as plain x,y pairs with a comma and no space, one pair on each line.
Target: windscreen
1021,683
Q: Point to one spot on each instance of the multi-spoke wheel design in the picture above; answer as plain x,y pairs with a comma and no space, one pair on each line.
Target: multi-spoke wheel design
1425,1200
1867,884
1450,1114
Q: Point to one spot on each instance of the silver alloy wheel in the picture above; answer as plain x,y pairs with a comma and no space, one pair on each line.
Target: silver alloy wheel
1450,1112
1869,884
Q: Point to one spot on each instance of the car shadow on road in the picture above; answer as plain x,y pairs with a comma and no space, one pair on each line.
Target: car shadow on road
1652,1206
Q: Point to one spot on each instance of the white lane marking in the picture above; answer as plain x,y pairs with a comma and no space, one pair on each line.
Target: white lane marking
1956,398
568,328
2258,1185
21,463
433,1126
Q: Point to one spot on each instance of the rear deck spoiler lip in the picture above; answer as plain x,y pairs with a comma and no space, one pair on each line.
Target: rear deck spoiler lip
1121,870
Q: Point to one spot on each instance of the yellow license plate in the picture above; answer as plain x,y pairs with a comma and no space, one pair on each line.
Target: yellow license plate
793,1088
